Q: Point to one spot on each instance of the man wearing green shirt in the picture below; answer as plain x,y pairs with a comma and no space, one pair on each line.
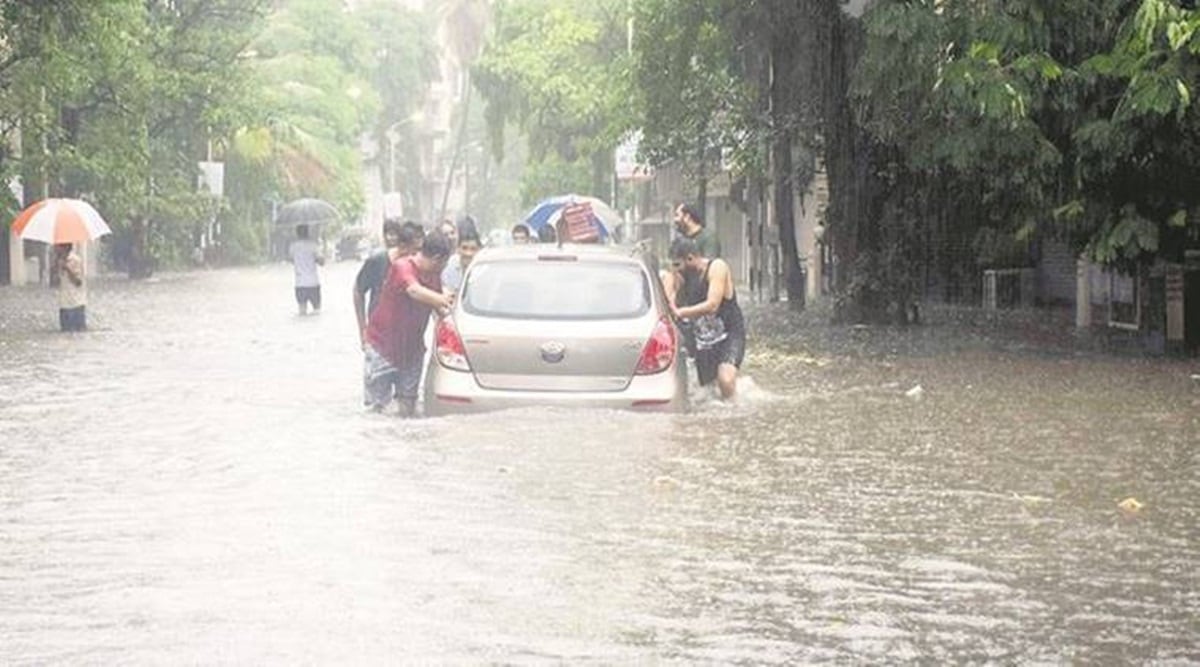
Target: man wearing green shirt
684,288
689,223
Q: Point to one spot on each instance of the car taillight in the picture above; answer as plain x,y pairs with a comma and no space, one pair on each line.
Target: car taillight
660,349
451,352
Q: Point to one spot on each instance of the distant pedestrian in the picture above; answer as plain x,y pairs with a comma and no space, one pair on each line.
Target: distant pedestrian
521,234
451,230
718,326
198,257
306,257
468,245
467,226
396,239
395,350
72,288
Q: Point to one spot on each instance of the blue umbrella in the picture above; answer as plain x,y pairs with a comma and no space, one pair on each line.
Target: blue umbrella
549,211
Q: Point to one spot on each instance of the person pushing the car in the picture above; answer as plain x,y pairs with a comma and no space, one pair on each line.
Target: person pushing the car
719,328
395,341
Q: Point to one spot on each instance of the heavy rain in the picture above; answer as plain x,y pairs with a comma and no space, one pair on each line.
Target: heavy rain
966,427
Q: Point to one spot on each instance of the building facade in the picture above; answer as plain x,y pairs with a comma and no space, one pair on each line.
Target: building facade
744,222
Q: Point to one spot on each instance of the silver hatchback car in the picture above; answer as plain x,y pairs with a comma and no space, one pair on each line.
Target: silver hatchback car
577,325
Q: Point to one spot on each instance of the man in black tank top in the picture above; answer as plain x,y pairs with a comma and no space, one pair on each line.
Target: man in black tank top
717,322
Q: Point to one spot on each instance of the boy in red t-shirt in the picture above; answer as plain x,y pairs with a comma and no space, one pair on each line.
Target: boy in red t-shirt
395,337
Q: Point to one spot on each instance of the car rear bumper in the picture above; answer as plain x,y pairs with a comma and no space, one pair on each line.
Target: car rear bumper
455,392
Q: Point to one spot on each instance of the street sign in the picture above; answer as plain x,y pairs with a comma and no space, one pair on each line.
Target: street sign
212,178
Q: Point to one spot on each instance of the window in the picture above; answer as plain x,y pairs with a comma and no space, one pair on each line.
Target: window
557,290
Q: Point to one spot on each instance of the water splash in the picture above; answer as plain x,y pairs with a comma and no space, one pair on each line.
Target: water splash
748,396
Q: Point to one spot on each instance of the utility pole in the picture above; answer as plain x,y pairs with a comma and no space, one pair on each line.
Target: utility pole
628,52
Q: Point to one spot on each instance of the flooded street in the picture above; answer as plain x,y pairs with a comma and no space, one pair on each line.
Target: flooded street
195,481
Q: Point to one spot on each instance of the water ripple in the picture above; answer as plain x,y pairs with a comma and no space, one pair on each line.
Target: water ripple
195,481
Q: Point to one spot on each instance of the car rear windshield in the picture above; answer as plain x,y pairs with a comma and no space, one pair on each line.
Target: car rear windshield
557,290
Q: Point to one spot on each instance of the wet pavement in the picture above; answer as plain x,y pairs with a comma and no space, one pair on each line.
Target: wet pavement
194,481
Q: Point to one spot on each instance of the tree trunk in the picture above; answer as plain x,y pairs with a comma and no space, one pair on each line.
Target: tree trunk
852,196
781,100
702,171
785,218
602,174
140,265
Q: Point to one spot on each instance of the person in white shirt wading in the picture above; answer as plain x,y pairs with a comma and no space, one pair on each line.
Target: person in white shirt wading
306,257
72,291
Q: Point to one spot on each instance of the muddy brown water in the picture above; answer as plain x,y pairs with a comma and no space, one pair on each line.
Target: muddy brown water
194,481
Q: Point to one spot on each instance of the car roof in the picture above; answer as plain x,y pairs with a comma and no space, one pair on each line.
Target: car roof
623,254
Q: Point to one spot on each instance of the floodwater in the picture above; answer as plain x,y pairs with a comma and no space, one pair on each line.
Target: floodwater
194,481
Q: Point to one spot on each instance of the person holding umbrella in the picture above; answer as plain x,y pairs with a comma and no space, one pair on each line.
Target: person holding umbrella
306,257
303,214
72,291
62,223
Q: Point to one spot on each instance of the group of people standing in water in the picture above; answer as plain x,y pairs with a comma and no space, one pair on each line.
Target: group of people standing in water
416,274
394,294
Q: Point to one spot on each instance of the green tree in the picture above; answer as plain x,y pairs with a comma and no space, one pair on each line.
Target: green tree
694,97
968,165
745,77
116,100
466,22
119,100
994,126
1138,197
312,64
405,65
553,72
326,78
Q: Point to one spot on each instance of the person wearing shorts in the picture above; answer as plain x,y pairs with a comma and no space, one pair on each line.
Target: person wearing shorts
308,296
394,350
718,326
306,257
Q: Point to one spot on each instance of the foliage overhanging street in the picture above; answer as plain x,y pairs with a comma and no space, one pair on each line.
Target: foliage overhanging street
986,127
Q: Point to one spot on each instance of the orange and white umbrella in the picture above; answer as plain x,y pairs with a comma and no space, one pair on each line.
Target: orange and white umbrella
60,221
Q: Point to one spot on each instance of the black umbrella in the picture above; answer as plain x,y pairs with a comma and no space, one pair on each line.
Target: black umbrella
307,211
